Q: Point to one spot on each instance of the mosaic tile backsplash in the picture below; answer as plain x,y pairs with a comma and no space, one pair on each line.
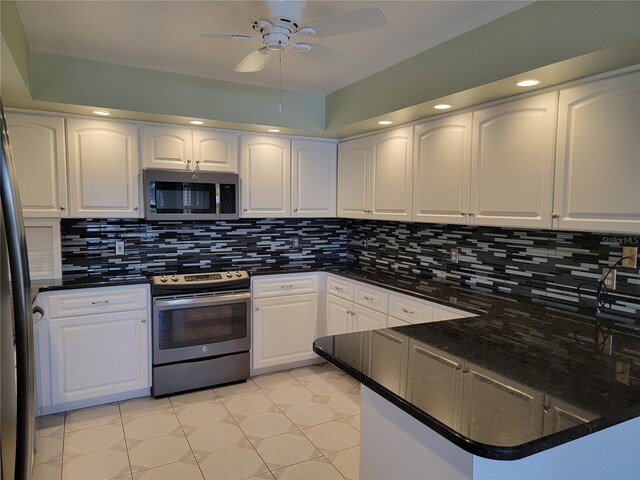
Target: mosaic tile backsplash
533,263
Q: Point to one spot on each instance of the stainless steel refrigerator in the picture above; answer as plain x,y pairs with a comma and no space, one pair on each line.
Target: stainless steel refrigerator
17,419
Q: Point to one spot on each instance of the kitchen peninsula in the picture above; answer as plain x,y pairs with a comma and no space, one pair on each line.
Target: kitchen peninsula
519,391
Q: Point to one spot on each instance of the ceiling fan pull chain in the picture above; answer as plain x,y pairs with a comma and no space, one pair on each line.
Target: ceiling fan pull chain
280,79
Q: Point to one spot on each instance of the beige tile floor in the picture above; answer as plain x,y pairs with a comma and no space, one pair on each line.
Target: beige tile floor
298,424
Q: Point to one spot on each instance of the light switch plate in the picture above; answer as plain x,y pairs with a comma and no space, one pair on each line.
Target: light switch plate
632,257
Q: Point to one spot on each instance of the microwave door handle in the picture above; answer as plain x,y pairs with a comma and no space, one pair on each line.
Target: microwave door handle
218,211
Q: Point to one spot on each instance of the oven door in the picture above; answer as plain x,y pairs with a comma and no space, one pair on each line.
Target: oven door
193,327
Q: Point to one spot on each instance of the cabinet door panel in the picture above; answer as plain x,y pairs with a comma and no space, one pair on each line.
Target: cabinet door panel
215,151
97,355
338,316
391,184
313,174
442,170
499,411
265,175
368,319
353,160
38,149
167,147
598,156
284,329
389,367
103,169
512,163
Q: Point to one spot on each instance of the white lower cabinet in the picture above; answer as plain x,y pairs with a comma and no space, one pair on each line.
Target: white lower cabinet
339,313
93,346
367,319
284,329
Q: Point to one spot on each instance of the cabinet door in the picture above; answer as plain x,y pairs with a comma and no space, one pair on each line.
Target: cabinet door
435,383
598,156
95,355
353,178
265,177
313,179
167,147
339,313
388,358
442,170
368,319
559,415
390,176
215,151
284,329
38,145
499,411
512,163
103,169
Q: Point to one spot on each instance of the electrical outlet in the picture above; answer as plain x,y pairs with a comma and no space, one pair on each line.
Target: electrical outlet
631,252
296,242
454,255
609,278
120,247
622,372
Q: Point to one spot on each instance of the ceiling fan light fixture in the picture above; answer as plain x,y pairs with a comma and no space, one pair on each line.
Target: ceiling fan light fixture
385,122
529,82
442,106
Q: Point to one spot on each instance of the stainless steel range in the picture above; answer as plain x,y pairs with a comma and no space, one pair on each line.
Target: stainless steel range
201,330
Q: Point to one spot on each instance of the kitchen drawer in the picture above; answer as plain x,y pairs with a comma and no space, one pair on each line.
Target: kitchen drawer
278,285
340,288
371,297
97,300
409,310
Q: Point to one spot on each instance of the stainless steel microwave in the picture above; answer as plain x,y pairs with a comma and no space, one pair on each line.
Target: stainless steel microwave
175,195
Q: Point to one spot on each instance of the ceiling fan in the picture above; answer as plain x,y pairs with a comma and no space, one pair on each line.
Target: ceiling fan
284,28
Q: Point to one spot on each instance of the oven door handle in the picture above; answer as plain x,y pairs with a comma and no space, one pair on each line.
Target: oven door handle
195,301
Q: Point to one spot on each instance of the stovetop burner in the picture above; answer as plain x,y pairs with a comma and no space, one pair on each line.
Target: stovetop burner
200,282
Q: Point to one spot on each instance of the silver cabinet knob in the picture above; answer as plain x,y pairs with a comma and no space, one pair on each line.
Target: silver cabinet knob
471,214
295,209
257,308
135,208
555,215
198,162
188,160
244,209
62,207
144,320
464,214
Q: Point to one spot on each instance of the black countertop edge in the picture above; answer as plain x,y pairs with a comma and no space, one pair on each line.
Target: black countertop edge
492,452
59,284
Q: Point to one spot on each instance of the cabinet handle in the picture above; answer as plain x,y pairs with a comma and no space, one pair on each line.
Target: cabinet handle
464,214
295,209
465,371
546,409
144,320
338,288
410,312
188,160
286,286
471,214
100,302
135,208
197,162
368,298
62,207
555,215
244,209
257,309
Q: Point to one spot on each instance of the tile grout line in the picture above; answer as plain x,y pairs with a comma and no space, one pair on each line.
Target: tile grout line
126,444
173,409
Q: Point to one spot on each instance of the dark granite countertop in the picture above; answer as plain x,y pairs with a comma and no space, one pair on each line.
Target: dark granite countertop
522,376
38,286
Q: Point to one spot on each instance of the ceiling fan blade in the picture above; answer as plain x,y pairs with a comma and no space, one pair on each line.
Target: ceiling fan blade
232,36
254,62
359,20
324,53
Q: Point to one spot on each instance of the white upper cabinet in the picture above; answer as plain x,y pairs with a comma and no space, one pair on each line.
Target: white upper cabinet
188,149
512,163
390,176
597,185
313,179
103,169
353,180
374,176
265,176
442,170
38,145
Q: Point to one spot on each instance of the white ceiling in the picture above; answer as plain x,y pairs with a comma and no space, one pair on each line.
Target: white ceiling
156,35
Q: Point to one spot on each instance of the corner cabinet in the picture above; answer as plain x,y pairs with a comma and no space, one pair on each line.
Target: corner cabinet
375,176
313,179
512,160
104,169
38,146
442,170
190,149
597,185
265,176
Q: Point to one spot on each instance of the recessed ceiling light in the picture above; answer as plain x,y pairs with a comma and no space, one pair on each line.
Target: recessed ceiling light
103,113
385,122
530,82
442,106
196,122
273,130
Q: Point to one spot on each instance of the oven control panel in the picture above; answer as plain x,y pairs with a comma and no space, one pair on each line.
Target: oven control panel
201,279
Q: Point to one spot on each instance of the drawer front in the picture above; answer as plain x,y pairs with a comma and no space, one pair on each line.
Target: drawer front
409,310
340,288
372,297
97,300
280,285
